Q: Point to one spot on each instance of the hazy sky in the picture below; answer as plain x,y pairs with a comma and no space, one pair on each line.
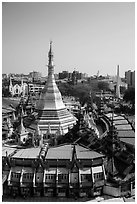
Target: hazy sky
86,36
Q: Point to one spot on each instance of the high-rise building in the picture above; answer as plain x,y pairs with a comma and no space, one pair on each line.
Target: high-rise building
63,75
53,115
133,79
35,75
130,78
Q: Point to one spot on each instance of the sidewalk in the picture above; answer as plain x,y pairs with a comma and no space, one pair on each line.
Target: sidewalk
44,199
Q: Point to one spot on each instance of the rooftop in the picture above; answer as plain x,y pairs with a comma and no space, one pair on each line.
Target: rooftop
120,122
130,141
123,127
29,153
60,152
85,153
126,133
9,151
8,102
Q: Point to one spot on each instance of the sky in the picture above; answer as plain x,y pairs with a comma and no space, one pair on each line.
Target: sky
86,37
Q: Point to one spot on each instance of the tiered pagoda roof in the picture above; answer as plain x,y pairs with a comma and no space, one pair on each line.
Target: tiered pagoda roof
51,109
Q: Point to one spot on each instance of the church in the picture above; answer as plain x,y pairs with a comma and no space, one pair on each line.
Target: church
18,89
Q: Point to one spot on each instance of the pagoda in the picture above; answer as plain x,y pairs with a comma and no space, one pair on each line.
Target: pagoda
50,107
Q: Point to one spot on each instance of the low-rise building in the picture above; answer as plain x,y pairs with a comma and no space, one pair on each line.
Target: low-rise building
65,170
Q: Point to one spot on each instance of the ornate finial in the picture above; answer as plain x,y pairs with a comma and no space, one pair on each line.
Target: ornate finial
50,64
50,46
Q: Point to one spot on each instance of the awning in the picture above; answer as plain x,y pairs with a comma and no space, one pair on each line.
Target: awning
62,171
97,169
50,171
16,169
26,170
85,171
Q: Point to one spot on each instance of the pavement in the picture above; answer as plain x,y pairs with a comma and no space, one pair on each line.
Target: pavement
55,199
104,198
44,199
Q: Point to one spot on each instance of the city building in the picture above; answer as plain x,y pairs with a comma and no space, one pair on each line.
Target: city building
35,76
63,75
65,170
74,76
130,78
35,88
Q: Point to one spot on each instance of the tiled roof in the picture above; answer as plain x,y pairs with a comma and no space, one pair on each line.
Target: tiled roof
126,133
84,153
6,102
62,171
29,153
115,116
123,127
117,122
9,151
109,115
130,141
61,152
118,117
16,169
7,110
27,170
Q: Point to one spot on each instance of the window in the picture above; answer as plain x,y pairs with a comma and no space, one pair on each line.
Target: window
86,177
61,190
62,177
98,176
50,176
44,136
28,176
15,175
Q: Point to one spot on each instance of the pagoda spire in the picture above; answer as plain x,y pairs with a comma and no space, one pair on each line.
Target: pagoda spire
50,64
51,109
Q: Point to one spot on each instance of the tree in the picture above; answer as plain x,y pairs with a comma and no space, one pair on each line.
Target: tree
5,92
102,85
81,91
65,89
